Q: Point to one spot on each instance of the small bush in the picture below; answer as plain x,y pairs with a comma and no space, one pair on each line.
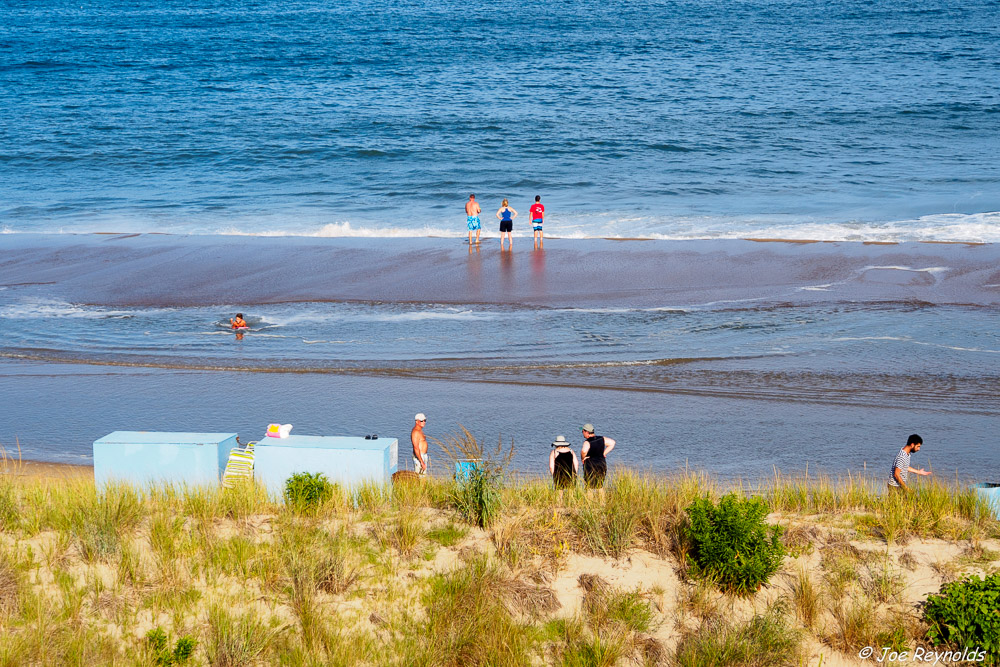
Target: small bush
159,646
478,497
731,544
306,492
966,614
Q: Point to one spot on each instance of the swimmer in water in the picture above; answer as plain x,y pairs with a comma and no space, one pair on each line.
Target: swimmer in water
239,322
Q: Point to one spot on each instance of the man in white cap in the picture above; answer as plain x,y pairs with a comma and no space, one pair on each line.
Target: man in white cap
419,441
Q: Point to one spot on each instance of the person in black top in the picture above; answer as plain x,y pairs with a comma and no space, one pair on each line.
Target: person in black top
563,465
595,449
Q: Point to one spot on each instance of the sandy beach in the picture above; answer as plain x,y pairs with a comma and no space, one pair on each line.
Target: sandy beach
47,470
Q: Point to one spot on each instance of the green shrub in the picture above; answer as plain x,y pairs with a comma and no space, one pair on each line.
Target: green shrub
731,544
159,646
966,614
306,492
477,497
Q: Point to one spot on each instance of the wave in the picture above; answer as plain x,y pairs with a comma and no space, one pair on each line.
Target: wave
46,308
945,228
431,312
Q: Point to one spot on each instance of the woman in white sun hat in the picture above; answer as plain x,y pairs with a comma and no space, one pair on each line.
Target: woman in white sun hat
563,465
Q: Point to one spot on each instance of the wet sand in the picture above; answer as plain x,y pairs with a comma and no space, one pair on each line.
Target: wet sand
163,270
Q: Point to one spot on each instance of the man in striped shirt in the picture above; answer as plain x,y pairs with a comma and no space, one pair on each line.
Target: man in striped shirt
901,466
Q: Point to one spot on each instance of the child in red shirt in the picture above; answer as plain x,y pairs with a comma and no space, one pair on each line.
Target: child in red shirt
537,217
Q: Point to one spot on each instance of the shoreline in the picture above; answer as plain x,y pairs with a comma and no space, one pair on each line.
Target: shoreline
526,235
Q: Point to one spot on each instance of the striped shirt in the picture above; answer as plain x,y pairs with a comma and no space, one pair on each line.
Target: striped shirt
903,463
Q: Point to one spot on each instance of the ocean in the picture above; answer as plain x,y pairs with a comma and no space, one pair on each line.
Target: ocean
165,166
842,120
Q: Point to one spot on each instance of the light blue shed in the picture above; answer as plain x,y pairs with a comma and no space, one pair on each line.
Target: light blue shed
991,492
344,460
151,457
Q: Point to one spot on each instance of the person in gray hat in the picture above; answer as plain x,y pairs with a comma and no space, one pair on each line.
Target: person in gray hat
595,449
563,465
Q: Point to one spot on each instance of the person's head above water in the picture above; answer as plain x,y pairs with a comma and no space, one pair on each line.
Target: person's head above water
239,316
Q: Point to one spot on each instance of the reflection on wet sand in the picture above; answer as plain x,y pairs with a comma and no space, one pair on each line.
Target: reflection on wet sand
163,270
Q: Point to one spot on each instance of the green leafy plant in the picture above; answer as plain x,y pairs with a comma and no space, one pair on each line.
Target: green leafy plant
159,645
730,543
306,492
966,614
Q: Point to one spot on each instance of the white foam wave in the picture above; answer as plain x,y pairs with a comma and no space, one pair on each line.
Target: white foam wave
616,311
346,229
905,339
943,227
433,315
361,316
42,308
862,338
930,269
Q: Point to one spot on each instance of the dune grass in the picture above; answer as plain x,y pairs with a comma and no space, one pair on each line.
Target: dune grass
383,575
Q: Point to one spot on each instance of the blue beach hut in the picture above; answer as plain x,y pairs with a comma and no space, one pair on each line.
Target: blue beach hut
348,461
991,492
144,458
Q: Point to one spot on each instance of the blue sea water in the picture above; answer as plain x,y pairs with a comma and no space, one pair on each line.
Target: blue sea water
693,119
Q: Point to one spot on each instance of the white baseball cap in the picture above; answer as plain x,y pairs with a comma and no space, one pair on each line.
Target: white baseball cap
421,417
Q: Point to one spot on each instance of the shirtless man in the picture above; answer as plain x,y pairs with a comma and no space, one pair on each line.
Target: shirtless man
472,212
419,441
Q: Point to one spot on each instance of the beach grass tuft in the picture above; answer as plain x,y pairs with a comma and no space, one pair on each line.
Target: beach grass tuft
764,640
